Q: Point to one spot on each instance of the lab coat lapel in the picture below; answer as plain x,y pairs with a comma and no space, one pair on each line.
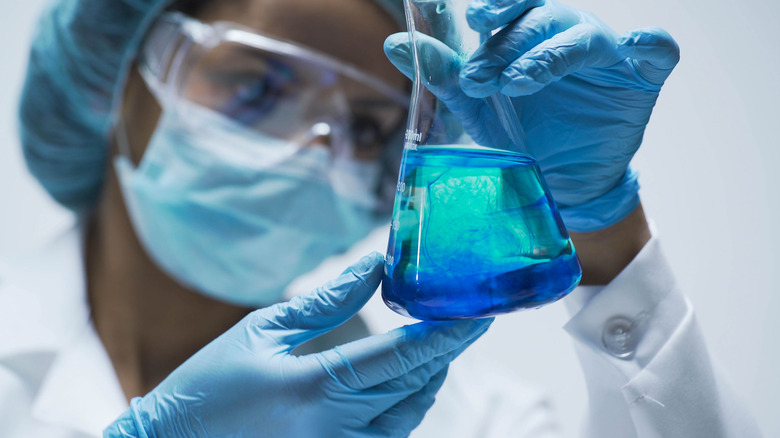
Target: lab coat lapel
44,314
81,390
42,298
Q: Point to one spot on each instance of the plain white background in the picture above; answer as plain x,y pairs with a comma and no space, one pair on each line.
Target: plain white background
707,180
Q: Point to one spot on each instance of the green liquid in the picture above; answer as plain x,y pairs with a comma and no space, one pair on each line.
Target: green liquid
474,233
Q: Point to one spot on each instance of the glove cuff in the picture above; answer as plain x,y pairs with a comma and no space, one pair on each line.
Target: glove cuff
606,210
128,425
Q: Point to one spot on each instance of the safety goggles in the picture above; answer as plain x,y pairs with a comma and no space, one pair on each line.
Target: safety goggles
274,88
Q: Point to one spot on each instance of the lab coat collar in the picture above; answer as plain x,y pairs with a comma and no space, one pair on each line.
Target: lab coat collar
44,309
81,390
42,299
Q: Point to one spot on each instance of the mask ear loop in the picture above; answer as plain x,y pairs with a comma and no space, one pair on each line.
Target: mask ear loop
160,54
122,142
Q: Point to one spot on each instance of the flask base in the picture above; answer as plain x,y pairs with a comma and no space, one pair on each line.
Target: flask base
463,297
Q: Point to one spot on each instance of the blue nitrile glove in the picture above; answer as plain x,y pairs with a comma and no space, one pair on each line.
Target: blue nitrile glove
583,93
247,384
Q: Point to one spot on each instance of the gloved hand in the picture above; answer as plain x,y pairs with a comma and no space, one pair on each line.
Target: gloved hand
584,96
247,384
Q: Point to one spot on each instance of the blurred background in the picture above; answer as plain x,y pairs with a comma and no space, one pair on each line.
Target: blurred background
707,182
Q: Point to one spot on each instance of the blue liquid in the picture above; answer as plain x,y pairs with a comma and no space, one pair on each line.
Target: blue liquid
475,233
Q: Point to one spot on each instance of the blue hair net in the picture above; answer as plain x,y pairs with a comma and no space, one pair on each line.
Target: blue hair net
76,75
79,57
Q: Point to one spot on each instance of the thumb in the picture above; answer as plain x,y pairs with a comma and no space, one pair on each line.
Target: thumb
439,65
399,51
654,52
307,316
440,74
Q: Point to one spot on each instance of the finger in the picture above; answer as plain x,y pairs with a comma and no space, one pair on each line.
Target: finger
372,402
654,51
406,415
307,316
399,51
486,15
377,359
385,395
480,75
584,45
439,67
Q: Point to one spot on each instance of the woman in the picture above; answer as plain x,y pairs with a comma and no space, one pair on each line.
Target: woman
200,219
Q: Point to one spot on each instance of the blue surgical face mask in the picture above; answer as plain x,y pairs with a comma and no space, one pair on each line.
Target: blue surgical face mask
238,217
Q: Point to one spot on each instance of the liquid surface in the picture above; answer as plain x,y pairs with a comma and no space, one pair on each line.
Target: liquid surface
474,233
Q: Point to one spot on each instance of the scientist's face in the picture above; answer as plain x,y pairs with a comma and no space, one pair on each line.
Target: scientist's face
351,31
239,211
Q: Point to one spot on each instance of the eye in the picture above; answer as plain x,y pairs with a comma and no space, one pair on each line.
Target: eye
250,101
250,96
367,133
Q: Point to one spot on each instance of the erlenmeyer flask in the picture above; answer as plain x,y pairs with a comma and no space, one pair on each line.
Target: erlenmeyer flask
475,231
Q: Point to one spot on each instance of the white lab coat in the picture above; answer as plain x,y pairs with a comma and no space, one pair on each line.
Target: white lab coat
647,369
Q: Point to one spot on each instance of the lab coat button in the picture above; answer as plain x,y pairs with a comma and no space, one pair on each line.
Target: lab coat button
619,338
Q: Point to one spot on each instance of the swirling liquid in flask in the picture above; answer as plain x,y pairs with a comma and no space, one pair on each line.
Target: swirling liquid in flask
474,233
